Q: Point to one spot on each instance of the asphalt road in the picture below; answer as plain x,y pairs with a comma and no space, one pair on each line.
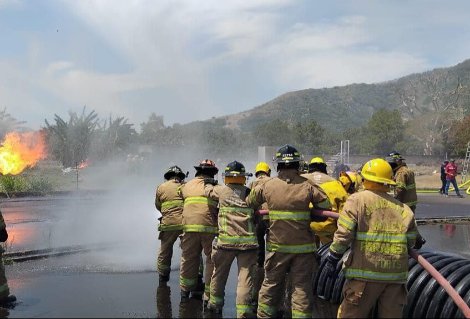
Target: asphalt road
121,281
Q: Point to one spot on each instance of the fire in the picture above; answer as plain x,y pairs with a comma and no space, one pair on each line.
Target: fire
21,150
84,164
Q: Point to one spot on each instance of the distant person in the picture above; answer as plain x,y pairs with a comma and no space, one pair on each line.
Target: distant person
405,190
6,299
340,167
443,177
170,204
451,173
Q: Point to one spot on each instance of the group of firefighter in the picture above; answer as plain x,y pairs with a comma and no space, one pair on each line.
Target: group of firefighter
274,227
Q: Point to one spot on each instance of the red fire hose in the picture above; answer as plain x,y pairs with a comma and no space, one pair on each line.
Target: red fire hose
420,259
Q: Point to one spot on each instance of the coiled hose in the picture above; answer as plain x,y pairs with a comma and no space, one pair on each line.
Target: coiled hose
426,297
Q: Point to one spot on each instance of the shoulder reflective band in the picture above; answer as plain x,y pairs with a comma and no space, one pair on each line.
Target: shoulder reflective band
346,222
170,227
338,248
243,210
381,237
412,235
291,249
172,203
199,200
227,239
283,215
373,275
413,203
200,229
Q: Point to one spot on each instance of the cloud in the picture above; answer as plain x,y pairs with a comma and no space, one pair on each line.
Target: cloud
191,60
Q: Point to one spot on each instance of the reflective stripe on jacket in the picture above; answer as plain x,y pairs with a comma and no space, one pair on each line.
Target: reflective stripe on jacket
235,219
288,197
199,212
169,202
405,191
379,230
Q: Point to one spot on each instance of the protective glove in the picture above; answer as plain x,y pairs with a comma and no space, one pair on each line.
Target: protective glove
332,260
420,241
211,181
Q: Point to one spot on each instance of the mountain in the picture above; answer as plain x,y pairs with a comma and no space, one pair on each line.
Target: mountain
423,96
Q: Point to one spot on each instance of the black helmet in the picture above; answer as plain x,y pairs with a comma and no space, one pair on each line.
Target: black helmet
394,157
235,168
174,171
206,167
287,154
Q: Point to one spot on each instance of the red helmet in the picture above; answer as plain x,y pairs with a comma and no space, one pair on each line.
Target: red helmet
207,166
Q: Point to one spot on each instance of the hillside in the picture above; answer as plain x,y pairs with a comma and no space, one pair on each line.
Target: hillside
417,96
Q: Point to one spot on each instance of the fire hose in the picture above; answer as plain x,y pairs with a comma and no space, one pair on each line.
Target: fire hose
419,285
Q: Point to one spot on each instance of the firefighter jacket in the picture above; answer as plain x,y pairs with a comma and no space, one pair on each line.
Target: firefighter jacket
258,181
405,191
170,203
333,188
235,218
288,197
199,212
337,196
380,230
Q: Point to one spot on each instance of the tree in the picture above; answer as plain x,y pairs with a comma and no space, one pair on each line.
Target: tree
459,136
70,140
113,137
383,131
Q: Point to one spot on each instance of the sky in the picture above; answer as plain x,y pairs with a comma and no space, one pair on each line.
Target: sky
193,60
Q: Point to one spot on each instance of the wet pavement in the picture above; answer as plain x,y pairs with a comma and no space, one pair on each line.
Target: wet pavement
120,281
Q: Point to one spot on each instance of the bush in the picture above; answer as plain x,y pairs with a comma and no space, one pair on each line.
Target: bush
14,184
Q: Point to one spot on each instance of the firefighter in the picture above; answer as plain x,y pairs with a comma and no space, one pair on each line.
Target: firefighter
236,239
262,174
170,203
405,189
351,181
199,230
336,195
380,230
290,240
6,300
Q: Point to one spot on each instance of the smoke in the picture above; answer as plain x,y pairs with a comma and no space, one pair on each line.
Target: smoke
115,208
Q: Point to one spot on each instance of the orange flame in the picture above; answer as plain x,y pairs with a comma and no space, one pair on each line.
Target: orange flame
21,150
84,164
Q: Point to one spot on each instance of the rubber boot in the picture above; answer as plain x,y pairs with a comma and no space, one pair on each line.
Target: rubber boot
198,292
163,279
184,296
8,301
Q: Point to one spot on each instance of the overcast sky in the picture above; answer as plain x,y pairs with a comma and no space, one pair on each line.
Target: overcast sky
192,60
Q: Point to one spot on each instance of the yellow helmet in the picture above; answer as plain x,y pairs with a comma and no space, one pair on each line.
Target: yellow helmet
350,180
317,160
262,167
379,171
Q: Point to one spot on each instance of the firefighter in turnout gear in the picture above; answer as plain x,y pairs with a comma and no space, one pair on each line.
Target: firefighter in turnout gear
170,203
290,241
236,239
262,174
199,230
337,196
405,190
6,300
380,230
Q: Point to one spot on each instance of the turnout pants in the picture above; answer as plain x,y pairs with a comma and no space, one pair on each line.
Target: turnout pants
246,260
167,240
360,298
301,268
4,289
192,244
